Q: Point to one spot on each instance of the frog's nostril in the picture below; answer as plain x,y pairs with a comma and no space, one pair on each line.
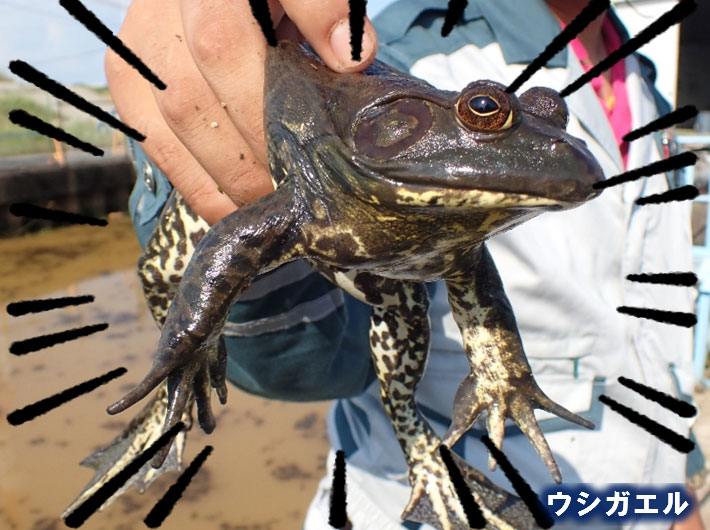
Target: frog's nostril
558,143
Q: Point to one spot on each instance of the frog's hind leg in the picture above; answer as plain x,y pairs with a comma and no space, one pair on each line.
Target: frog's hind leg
160,269
167,253
399,336
501,381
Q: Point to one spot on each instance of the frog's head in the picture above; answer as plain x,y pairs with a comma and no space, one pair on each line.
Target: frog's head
481,148
392,139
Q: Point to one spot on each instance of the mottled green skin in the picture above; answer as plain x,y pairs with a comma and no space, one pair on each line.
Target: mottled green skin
382,183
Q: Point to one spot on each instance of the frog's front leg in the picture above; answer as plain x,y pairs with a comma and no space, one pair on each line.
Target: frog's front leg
501,381
254,239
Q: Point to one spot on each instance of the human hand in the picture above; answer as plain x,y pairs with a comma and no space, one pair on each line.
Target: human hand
205,131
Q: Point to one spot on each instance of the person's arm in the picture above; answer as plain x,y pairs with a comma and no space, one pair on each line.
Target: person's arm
205,130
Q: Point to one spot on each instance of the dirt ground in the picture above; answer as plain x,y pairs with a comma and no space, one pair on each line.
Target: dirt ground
268,455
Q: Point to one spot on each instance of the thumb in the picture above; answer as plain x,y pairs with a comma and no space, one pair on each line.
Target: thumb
325,25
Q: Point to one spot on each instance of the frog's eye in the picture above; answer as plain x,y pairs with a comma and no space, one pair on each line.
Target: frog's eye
485,107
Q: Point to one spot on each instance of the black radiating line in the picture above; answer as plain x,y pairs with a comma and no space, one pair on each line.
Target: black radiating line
358,9
453,15
677,318
39,79
82,512
21,347
666,278
21,209
260,10
167,502
522,488
667,120
29,121
592,10
678,161
658,26
663,433
678,406
91,22
43,406
338,515
474,515
684,193
37,306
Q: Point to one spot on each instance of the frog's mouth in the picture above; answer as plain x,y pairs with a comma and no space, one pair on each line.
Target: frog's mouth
407,188
411,195
546,186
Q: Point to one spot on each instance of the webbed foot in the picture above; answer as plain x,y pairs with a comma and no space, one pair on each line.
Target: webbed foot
434,500
140,433
503,400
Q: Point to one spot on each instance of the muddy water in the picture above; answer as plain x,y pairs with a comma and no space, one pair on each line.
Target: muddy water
268,455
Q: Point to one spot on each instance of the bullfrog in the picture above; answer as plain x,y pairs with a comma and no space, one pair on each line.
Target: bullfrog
382,182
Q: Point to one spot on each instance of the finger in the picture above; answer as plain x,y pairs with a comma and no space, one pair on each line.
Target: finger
135,104
202,398
156,375
196,115
325,25
228,48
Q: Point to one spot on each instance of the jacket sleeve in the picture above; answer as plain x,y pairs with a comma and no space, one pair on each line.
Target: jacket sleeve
292,335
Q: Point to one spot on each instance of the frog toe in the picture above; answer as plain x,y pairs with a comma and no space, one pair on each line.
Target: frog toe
202,391
467,409
139,434
506,400
524,418
218,370
180,402
545,403
495,423
156,375
221,390
521,412
435,502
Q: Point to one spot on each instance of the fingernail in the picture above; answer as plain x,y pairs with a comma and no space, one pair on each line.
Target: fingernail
340,43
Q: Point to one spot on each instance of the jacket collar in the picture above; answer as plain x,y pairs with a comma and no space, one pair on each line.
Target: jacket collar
504,17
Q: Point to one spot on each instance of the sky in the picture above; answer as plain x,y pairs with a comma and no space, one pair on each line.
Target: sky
44,35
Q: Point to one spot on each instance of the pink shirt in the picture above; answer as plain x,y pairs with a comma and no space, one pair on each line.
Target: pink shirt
616,107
